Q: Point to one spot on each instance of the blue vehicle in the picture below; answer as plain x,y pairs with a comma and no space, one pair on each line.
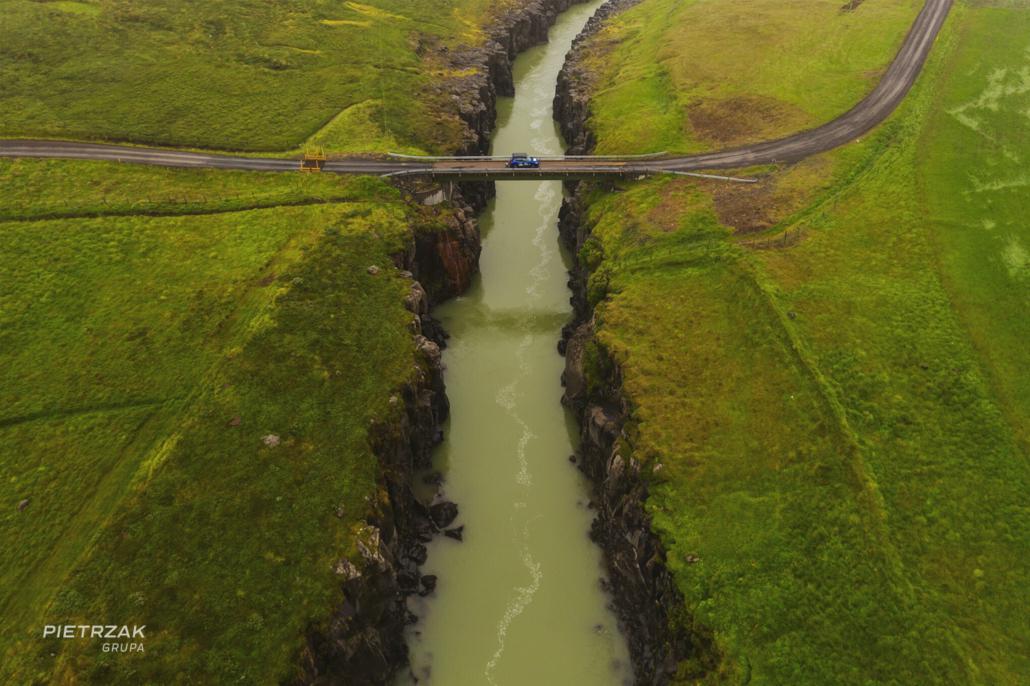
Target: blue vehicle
520,160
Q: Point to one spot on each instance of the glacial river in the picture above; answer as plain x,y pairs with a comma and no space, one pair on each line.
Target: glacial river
519,601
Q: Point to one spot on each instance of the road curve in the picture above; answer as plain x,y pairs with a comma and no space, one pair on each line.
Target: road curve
872,110
866,115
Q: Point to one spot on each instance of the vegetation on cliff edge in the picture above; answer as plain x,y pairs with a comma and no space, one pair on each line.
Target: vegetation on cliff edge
840,416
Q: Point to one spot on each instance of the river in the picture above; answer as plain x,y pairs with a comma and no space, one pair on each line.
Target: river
519,601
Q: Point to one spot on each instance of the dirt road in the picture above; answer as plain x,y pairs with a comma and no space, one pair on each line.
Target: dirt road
876,107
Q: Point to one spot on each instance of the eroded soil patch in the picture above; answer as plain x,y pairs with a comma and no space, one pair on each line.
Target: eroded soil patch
753,208
742,119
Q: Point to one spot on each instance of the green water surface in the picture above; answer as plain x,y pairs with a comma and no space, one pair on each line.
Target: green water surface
519,602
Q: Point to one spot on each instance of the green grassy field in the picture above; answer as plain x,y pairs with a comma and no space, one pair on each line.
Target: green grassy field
842,423
235,74
702,74
58,189
125,365
971,162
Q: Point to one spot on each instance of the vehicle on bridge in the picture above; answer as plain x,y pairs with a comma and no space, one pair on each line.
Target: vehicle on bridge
520,160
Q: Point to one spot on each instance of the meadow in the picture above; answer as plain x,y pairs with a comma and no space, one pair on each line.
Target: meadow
74,189
706,74
235,74
841,420
138,388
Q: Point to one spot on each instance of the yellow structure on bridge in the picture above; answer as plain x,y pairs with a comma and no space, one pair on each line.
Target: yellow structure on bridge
314,160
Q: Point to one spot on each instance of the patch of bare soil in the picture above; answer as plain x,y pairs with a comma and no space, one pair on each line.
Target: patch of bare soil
747,208
851,5
752,208
743,119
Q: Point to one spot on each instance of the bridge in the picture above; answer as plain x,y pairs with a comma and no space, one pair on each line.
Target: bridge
867,114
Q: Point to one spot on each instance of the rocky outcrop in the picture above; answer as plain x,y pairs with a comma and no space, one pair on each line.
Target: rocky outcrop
576,82
664,643
443,254
363,643
650,607
486,70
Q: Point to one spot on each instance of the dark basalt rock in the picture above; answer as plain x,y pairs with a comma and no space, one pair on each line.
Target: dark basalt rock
644,593
407,582
416,553
457,533
428,585
443,514
575,84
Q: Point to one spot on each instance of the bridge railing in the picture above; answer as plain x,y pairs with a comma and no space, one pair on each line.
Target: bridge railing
505,158
577,172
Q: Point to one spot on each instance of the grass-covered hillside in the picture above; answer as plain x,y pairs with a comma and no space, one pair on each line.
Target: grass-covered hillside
191,359
840,400
235,74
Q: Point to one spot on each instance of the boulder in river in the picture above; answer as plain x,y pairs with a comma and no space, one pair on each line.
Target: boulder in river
407,582
443,514
417,554
428,585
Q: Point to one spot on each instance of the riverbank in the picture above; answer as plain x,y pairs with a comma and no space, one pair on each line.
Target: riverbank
801,411
665,643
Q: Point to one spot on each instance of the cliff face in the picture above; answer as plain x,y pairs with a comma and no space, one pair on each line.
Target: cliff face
444,258
649,605
488,67
363,643
576,82
662,639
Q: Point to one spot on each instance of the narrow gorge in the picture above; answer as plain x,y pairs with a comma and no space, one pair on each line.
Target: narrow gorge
509,452
521,597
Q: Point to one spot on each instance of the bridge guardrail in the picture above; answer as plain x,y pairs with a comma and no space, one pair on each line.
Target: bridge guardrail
503,158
